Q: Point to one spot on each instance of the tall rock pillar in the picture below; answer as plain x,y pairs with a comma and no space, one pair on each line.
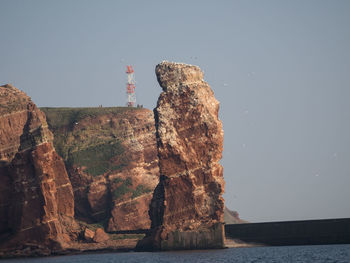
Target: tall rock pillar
36,200
187,210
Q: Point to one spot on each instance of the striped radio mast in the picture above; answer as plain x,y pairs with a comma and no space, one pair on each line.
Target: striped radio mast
130,87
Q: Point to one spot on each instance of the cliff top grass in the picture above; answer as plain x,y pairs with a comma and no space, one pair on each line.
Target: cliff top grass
93,146
61,117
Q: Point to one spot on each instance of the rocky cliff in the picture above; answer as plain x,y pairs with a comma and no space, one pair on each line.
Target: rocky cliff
232,217
36,196
111,158
187,208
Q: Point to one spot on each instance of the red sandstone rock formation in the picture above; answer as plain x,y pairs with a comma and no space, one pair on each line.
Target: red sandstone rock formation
36,197
130,211
88,235
187,208
120,195
100,236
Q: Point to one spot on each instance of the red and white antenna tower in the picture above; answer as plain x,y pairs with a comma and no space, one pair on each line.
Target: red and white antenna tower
130,87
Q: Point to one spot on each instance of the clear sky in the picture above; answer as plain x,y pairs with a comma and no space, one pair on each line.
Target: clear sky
280,69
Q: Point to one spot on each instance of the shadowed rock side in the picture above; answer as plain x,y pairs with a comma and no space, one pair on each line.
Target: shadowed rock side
111,158
36,197
187,209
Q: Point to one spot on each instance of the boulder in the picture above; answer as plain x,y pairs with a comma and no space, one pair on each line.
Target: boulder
89,235
100,236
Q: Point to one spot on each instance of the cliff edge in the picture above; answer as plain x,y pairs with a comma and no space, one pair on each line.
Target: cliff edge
36,196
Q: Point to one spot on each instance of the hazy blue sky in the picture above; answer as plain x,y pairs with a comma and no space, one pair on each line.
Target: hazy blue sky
280,69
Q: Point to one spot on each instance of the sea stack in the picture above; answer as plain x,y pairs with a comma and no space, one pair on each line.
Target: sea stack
36,196
187,209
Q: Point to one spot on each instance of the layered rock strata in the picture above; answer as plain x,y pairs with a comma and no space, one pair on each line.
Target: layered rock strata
36,196
187,208
111,158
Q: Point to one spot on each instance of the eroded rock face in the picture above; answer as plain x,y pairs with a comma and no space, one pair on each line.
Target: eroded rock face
139,178
187,208
36,200
111,157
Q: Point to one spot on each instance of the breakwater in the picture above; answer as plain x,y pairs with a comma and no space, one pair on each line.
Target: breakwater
306,232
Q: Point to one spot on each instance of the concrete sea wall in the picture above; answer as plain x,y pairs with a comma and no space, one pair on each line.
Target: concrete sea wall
308,232
208,238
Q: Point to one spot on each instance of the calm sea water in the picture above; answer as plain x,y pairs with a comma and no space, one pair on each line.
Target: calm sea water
329,253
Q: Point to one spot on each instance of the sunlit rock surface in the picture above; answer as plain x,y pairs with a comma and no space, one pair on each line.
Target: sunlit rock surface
36,197
111,158
187,208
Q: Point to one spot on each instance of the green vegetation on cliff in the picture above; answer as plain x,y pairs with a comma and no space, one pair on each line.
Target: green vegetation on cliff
125,187
96,158
126,236
140,190
65,117
86,137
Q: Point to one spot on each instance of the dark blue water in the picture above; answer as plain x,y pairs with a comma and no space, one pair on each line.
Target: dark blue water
328,253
